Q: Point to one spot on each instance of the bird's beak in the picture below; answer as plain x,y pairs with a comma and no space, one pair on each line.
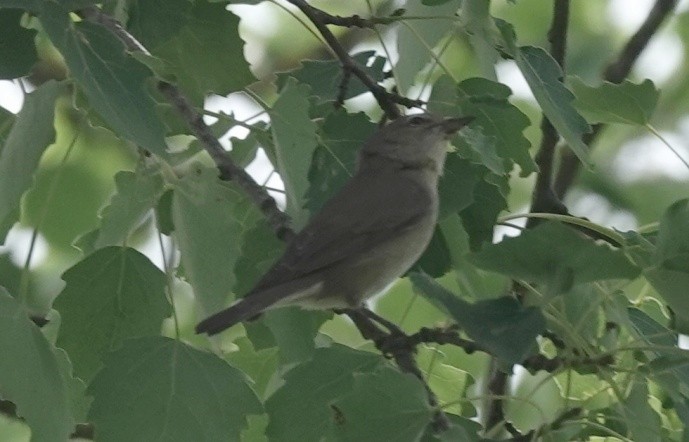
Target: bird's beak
452,125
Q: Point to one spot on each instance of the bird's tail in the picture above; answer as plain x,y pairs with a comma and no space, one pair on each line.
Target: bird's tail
250,306
246,308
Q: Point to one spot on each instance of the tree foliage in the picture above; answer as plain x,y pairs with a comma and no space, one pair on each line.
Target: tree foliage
128,215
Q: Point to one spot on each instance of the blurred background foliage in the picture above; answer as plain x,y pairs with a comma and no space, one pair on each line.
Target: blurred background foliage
634,180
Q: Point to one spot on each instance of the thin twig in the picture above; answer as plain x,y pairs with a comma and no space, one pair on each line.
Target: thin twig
386,100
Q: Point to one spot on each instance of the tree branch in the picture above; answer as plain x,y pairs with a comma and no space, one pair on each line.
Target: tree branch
544,199
228,169
616,72
386,100
400,347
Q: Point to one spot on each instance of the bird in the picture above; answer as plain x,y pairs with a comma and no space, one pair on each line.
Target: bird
368,234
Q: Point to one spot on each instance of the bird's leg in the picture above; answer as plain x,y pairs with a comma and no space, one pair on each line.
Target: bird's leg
392,343
391,326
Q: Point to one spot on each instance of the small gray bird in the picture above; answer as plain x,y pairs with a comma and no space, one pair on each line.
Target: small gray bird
368,234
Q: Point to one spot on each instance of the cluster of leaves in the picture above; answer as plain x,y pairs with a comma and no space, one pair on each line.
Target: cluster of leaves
102,359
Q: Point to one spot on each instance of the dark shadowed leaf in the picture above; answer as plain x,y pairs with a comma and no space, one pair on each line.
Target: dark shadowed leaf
503,326
312,417
17,48
334,160
552,253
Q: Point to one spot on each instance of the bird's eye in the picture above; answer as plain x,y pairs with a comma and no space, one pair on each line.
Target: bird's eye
416,121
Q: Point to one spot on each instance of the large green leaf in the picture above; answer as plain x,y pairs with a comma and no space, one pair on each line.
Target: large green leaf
544,77
17,48
644,423
555,255
312,417
155,22
382,405
210,217
669,271
503,326
417,38
31,134
156,388
295,141
137,193
334,160
31,375
113,294
325,76
207,54
112,80
625,103
501,123
487,203
672,246
260,248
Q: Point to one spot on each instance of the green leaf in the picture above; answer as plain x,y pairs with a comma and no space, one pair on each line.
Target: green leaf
625,103
503,326
325,77
29,5
31,134
260,248
112,80
416,38
479,217
210,217
260,364
201,55
156,388
456,186
294,331
17,48
644,423
311,417
555,255
544,77
155,22
334,160
501,123
137,193
79,402
31,374
668,272
295,141
672,286
113,294
672,246
382,405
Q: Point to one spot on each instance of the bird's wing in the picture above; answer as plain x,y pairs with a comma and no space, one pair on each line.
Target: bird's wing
360,217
